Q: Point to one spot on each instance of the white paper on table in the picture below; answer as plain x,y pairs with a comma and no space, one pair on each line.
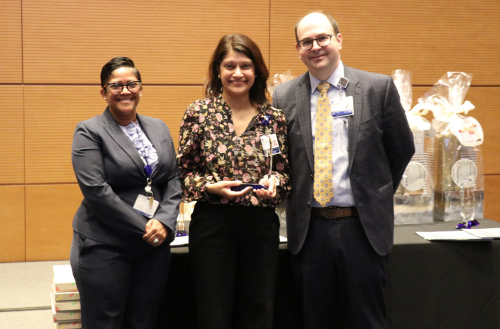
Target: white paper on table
449,235
180,241
493,233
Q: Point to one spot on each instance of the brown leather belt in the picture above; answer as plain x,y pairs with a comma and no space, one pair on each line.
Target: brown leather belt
335,212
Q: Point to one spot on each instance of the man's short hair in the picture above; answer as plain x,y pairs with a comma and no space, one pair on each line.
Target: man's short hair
330,18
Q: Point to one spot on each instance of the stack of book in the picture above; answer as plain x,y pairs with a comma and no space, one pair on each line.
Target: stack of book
65,299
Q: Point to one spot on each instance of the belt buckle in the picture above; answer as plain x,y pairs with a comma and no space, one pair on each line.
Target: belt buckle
328,208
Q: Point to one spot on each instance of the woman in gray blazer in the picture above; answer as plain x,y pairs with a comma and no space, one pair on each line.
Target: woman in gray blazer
126,168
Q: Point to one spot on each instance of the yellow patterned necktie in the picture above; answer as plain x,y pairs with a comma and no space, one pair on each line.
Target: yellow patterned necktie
323,186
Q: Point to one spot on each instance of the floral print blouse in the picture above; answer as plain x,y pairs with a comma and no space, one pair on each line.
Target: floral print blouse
210,151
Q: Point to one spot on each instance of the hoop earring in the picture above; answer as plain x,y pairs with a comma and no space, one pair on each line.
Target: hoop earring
218,76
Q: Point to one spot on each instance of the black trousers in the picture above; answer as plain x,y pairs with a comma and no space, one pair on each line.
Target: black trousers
233,253
340,277
120,288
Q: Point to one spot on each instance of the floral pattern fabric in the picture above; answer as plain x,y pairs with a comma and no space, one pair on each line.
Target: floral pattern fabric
210,151
142,144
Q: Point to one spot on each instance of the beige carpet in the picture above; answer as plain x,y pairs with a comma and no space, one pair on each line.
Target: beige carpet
25,295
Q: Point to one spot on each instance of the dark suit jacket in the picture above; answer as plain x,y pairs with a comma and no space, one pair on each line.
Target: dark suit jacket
111,175
380,147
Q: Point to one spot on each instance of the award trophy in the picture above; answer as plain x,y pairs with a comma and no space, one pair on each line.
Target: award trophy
245,166
181,228
247,163
465,172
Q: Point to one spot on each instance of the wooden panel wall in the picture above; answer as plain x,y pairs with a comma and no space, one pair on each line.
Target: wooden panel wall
426,37
12,135
170,41
49,213
12,223
11,57
51,54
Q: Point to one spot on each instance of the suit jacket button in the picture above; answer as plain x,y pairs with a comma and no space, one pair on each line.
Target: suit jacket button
309,204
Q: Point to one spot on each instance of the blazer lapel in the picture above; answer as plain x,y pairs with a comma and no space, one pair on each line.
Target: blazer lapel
353,89
303,101
121,139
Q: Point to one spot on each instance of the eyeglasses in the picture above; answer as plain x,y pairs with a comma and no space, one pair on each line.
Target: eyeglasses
117,88
322,40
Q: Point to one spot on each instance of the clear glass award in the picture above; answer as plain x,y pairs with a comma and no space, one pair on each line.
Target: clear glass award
181,229
246,166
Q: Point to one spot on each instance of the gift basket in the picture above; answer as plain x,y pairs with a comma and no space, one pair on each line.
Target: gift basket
413,200
278,79
455,156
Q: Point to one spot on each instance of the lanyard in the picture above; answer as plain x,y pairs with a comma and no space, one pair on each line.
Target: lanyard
265,121
145,152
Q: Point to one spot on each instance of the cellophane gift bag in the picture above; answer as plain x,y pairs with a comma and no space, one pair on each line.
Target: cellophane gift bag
456,158
414,198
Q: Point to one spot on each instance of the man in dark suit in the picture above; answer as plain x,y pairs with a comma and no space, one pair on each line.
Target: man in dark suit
345,167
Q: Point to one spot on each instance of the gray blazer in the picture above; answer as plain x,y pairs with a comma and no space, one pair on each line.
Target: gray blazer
111,175
380,147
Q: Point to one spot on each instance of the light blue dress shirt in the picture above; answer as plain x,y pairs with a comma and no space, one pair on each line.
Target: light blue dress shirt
340,157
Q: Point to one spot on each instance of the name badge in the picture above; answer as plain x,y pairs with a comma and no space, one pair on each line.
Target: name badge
343,107
145,207
275,144
266,144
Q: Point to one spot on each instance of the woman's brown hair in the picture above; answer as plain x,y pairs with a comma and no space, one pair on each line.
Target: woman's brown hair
243,44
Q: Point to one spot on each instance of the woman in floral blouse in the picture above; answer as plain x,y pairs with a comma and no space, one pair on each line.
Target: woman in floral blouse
234,235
